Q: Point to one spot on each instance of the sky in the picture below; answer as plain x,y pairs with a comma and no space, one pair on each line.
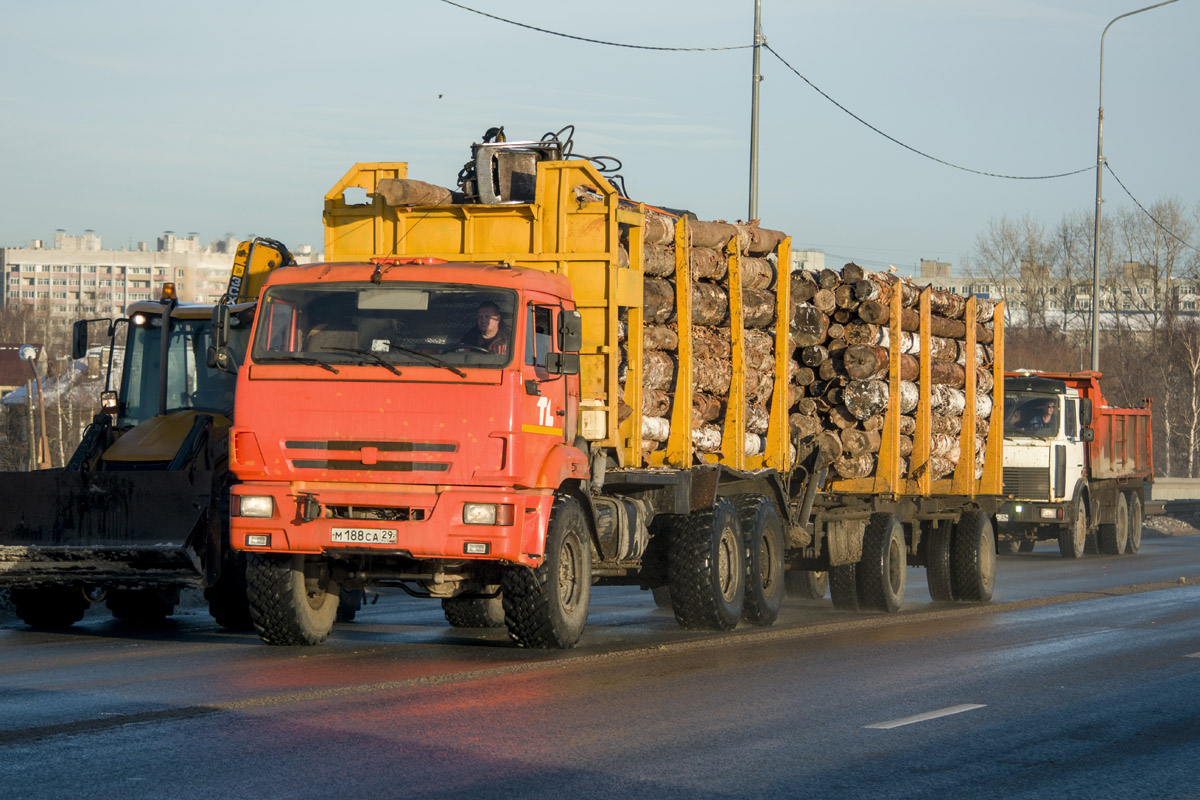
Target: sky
132,118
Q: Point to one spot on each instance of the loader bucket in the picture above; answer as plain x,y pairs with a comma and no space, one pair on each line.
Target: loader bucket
121,528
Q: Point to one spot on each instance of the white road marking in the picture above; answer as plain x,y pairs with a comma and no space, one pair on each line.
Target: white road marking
941,712
1192,655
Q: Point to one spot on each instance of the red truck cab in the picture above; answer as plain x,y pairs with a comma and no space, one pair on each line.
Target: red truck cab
409,442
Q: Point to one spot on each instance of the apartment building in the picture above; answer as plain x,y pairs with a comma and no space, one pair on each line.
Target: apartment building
75,276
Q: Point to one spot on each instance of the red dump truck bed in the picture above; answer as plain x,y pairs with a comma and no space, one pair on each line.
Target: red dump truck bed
1123,446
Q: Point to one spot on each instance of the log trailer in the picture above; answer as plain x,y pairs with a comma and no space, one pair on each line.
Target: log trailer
140,510
381,439
1076,470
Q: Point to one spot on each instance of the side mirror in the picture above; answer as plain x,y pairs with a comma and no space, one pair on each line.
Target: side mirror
79,339
220,325
570,332
1085,413
1087,434
562,363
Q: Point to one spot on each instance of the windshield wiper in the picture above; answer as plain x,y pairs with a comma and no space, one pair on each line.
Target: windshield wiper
378,359
302,360
437,362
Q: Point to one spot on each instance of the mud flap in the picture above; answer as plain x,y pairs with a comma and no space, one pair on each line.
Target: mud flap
135,528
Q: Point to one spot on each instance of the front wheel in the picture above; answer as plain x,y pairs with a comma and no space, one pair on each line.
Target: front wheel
51,609
293,601
142,606
706,568
476,612
1072,538
548,606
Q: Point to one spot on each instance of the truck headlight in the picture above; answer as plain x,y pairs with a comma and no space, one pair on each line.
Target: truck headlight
250,505
1050,513
487,514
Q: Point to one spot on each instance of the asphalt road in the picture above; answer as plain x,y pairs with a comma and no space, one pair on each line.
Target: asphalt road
1082,679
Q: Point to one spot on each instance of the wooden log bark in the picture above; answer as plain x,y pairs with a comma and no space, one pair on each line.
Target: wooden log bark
708,234
809,326
658,300
710,304
408,192
758,308
851,467
658,370
878,313
655,403
803,286
759,241
852,273
660,337
706,408
814,355
707,263
658,260
659,228
757,273
825,301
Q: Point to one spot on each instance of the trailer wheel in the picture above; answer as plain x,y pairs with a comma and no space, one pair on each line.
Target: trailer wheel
227,601
843,587
763,532
51,609
1133,542
1072,538
662,596
142,606
806,584
1113,537
706,568
475,612
293,601
882,573
974,558
937,562
548,606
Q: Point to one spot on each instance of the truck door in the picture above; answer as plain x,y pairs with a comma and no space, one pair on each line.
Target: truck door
546,404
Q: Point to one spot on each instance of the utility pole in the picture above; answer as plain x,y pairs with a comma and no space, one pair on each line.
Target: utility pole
755,81
1099,198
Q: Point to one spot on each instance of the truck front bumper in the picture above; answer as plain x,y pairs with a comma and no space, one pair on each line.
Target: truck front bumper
1017,515
420,522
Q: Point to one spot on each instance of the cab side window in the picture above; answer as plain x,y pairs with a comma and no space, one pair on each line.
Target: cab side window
539,337
1072,418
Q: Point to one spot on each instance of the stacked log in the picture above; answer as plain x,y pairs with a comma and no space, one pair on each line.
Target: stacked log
712,361
840,326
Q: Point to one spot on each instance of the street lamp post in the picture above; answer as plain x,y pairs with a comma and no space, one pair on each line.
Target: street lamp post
1099,199
28,354
755,81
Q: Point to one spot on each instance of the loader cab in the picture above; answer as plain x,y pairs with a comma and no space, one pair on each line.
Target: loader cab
189,383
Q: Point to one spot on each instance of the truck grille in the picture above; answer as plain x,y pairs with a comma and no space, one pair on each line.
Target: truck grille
350,455
1030,483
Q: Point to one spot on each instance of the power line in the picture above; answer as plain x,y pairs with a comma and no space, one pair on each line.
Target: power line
910,148
1153,219
783,61
595,41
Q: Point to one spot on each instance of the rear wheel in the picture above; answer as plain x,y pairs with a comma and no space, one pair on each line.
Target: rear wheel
937,562
662,596
974,558
476,612
547,607
51,608
1072,537
1133,542
806,583
763,530
1027,545
1113,537
293,601
706,568
843,587
882,572
349,602
143,606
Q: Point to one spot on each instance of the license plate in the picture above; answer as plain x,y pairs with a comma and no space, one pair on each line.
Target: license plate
1002,518
363,535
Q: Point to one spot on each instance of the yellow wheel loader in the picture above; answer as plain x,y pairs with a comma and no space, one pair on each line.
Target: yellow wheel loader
141,510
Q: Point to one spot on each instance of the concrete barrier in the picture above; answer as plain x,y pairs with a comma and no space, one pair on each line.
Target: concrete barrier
1175,489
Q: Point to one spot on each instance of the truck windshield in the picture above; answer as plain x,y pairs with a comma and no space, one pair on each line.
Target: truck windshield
190,384
1032,414
387,324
